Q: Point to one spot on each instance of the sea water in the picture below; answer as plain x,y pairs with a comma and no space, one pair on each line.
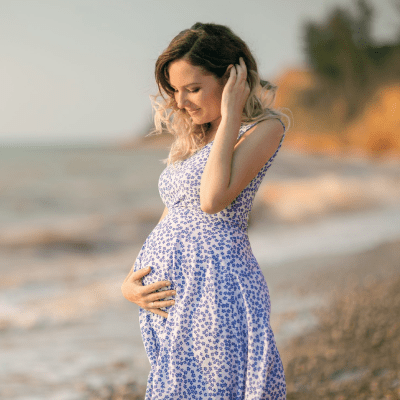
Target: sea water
72,220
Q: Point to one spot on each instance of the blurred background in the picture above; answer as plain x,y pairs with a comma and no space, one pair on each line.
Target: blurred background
78,190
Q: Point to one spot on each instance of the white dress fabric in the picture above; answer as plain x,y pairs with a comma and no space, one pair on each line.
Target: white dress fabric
217,341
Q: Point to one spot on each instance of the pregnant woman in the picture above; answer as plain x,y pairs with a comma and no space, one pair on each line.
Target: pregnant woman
205,306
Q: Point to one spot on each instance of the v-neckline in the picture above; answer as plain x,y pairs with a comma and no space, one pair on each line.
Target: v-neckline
239,136
210,142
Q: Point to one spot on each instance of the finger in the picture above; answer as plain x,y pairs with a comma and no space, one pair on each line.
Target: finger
139,274
242,63
242,69
228,69
155,286
232,76
160,304
129,276
159,312
160,295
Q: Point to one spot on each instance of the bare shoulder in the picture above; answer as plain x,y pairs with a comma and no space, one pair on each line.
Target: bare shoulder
267,129
250,154
261,140
257,146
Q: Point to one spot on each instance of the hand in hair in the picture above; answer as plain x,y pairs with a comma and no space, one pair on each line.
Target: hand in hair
236,91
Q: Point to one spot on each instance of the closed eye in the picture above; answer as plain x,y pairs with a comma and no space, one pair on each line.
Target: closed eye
190,91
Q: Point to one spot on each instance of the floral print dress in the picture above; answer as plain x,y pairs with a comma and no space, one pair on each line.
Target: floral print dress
217,341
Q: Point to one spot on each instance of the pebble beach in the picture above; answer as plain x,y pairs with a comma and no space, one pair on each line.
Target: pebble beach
73,223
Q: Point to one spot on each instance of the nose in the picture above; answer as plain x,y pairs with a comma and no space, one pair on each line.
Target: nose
180,99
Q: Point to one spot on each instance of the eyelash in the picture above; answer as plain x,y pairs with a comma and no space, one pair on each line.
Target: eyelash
190,91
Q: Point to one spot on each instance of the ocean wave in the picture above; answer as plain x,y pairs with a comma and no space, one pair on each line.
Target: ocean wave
296,200
83,233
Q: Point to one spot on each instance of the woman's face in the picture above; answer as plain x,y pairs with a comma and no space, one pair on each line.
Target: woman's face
196,92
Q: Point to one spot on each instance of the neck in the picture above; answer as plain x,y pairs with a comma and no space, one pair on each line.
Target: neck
210,136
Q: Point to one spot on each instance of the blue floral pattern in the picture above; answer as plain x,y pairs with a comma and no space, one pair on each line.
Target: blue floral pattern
217,341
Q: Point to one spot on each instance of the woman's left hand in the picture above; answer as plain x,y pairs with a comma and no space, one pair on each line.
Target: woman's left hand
236,91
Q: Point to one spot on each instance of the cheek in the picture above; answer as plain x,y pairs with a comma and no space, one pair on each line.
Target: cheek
216,104
217,95
213,101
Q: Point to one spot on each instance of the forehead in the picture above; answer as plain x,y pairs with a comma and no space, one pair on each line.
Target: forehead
182,73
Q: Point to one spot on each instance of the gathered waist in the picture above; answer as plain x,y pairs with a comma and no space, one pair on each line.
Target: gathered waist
217,220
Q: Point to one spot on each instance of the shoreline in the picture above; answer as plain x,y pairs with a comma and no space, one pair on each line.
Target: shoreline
351,351
66,330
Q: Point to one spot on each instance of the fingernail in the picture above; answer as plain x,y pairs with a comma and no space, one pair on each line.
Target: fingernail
168,284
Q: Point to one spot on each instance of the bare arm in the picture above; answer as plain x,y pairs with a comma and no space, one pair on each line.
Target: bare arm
231,166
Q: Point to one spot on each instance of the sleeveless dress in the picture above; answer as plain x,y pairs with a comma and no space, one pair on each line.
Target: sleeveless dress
217,341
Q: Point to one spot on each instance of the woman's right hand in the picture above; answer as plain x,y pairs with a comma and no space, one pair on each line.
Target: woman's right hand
145,296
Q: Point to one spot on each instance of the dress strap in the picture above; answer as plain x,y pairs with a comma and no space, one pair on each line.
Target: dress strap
245,128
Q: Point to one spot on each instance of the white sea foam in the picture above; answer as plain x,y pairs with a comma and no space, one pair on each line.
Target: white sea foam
334,234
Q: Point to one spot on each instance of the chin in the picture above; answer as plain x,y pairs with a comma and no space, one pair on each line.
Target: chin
198,120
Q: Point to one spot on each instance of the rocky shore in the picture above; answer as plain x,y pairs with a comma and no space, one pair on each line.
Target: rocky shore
354,351
330,258
130,391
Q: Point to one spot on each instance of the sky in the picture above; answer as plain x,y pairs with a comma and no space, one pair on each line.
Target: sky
82,71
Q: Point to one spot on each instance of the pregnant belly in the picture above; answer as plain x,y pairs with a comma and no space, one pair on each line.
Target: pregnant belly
182,247
157,252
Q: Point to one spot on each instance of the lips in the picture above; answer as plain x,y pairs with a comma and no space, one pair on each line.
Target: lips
193,111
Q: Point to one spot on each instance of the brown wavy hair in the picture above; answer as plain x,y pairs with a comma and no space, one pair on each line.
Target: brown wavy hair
213,48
